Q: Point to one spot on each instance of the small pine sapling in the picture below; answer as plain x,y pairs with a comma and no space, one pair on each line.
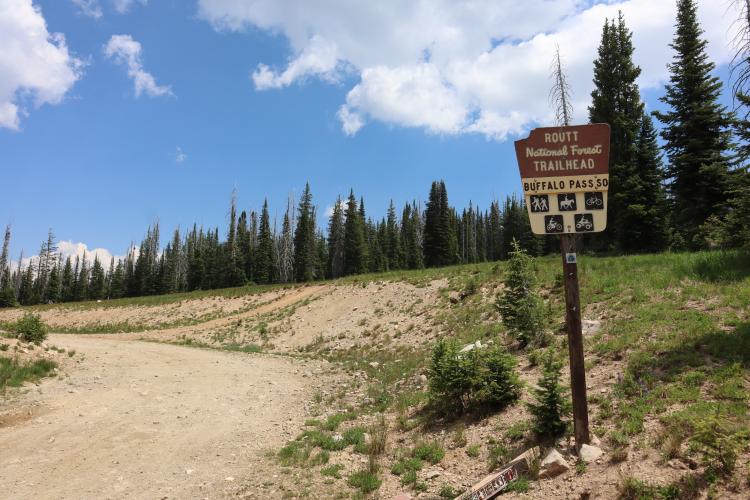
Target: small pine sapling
551,406
520,306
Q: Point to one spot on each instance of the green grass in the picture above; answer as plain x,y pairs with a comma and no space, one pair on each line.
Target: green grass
14,373
333,470
365,481
429,451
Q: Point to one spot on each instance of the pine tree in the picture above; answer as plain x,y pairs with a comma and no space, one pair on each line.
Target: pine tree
7,293
336,235
519,304
392,240
551,407
354,239
305,241
286,247
412,248
234,273
97,284
646,196
26,291
66,285
440,239
265,271
52,293
117,287
695,132
616,100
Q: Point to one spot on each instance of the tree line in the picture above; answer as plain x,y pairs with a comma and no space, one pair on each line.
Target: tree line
254,250
699,199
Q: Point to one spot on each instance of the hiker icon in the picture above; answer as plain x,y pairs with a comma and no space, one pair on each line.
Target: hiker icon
584,222
539,203
553,223
566,202
594,201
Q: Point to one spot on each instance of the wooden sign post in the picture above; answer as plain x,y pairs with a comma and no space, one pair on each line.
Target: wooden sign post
565,177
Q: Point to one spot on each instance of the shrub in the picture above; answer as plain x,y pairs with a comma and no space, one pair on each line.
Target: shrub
476,379
333,470
430,451
405,465
500,384
8,297
719,441
30,328
447,491
520,306
551,405
365,480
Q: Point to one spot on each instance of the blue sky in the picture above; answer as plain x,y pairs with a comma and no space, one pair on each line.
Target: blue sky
98,161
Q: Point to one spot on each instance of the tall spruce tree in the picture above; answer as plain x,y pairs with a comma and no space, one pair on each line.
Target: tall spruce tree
392,240
354,238
265,271
286,247
305,242
96,286
647,199
336,232
440,238
616,100
695,132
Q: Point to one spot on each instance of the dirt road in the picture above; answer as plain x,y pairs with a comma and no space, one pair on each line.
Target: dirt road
147,420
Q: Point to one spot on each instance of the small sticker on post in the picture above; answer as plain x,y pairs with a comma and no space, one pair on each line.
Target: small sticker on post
570,258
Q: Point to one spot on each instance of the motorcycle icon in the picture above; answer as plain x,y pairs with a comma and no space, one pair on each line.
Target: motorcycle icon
553,226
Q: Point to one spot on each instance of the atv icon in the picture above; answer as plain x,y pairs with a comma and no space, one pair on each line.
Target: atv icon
584,222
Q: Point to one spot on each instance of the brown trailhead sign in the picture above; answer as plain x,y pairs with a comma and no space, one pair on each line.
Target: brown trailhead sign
565,177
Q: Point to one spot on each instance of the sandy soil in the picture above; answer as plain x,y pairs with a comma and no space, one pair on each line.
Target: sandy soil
147,420
75,316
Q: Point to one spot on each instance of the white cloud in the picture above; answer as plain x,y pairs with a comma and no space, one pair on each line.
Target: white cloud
90,8
35,65
70,249
124,50
458,67
329,208
124,6
319,58
180,156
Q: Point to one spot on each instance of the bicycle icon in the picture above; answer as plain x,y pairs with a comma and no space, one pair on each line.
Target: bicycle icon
594,201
